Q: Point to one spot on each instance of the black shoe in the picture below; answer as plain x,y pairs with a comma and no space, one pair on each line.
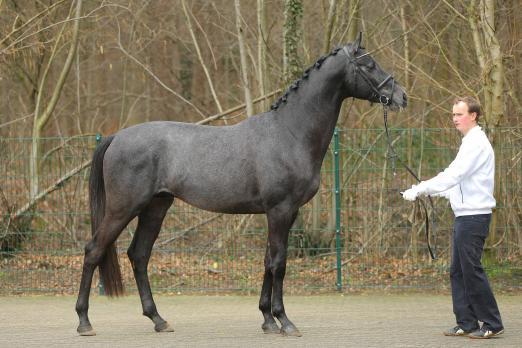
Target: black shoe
484,332
456,331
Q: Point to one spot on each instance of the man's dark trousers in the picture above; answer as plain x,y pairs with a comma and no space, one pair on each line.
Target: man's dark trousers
473,299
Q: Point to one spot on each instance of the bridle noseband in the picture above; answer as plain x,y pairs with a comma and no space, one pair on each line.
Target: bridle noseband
386,101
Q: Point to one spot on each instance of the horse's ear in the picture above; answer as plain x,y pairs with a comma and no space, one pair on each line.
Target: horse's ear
358,41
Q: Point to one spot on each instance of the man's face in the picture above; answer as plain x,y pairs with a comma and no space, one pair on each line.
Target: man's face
462,119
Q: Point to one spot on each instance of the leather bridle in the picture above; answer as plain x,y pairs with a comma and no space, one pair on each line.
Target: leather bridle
387,101
376,89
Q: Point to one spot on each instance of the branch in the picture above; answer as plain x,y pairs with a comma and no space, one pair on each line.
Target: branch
236,108
65,71
478,45
49,189
187,230
454,10
200,57
36,16
15,120
329,26
448,61
20,39
135,60
243,61
411,29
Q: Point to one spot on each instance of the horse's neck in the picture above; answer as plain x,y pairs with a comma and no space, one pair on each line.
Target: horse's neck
312,114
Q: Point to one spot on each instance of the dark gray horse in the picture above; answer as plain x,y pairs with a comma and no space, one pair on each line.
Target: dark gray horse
267,164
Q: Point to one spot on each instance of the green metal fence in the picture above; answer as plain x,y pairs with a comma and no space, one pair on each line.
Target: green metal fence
356,233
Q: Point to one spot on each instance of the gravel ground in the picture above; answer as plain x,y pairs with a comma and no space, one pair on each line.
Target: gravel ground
347,320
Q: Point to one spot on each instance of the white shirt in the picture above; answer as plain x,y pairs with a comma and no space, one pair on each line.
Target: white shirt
469,180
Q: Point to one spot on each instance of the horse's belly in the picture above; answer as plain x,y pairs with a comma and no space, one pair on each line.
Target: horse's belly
224,206
223,197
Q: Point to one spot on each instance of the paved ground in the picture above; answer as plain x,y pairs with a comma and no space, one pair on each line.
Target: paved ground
372,320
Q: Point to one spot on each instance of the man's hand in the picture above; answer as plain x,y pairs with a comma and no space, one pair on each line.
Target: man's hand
410,194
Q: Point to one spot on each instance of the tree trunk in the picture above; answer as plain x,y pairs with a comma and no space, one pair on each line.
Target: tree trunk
489,55
41,119
292,34
242,55
354,20
495,86
262,42
406,41
328,27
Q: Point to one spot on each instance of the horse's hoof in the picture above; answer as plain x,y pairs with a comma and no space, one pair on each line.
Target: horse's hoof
270,328
86,330
163,327
290,331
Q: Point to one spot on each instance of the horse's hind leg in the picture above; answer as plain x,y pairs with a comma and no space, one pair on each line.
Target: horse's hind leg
149,225
279,222
108,232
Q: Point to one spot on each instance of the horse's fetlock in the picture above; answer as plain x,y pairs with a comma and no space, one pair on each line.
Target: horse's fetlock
80,308
150,312
264,305
277,310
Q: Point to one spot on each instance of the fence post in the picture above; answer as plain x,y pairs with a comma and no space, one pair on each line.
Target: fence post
337,209
101,288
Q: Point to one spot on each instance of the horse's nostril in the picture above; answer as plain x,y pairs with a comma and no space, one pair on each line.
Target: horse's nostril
405,99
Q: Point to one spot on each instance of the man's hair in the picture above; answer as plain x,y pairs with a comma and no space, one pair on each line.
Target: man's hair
472,103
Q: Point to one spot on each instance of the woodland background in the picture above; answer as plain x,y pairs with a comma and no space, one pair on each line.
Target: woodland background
76,67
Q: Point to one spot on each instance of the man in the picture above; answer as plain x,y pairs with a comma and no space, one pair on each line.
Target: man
468,184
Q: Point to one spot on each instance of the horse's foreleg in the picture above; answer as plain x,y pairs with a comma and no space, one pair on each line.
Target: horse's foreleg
279,223
108,232
265,301
149,226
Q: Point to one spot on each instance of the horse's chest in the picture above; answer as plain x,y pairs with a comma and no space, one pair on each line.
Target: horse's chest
307,186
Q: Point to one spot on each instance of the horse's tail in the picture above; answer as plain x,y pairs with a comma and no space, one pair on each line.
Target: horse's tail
109,266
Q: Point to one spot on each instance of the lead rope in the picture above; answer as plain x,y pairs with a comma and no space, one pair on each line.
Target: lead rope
394,157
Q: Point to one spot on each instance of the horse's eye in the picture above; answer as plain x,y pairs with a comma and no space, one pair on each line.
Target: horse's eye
371,65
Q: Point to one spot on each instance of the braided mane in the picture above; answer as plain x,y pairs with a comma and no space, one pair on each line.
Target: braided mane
295,85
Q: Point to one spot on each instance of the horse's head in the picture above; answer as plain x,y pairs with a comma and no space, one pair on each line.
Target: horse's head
366,79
